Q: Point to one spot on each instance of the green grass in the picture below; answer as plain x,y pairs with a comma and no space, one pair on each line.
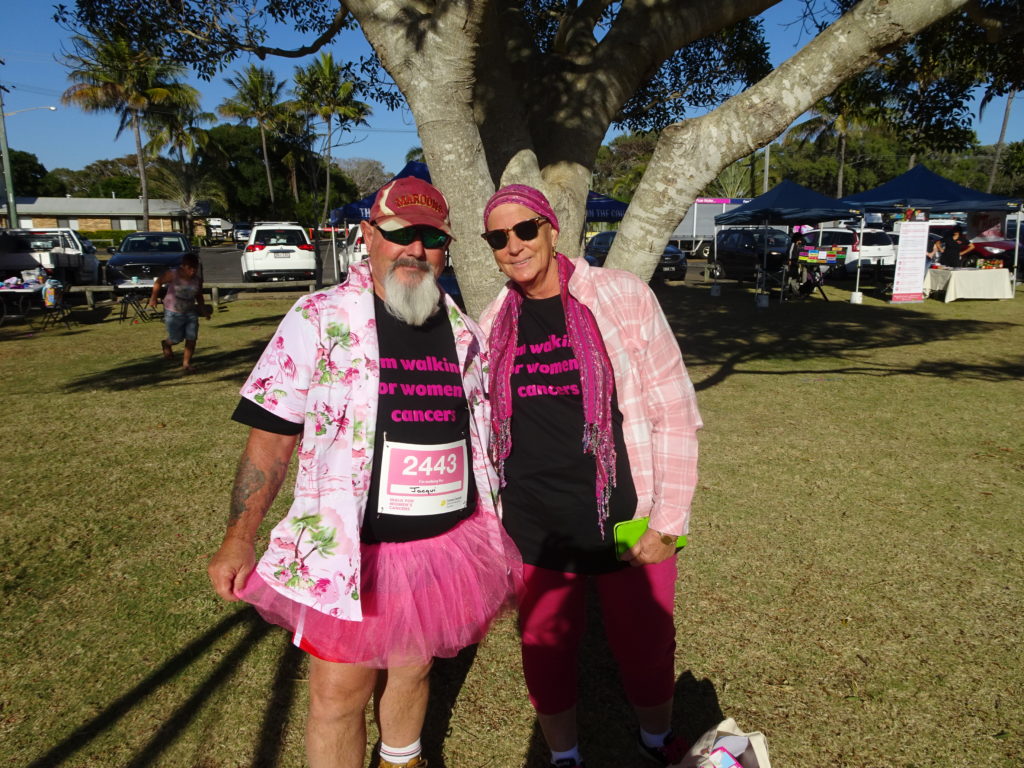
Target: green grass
853,585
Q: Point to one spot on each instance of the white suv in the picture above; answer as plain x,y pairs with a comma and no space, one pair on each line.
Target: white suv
278,250
877,247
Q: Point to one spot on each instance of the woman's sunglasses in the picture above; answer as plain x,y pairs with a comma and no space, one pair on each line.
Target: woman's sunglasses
429,236
525,230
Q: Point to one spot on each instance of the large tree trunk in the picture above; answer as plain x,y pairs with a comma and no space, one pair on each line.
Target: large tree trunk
489,112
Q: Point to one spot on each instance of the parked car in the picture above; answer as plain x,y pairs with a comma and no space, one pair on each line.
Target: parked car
63,253
671,266
240,232
995,248
278,250
739,252
146,256
876,247
597,247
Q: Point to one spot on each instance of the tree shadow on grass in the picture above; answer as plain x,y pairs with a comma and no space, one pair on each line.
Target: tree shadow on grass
227,365
178,720
725,334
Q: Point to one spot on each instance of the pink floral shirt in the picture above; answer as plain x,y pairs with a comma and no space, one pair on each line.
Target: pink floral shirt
322,369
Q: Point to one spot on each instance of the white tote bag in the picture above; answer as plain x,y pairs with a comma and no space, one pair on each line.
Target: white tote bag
752,748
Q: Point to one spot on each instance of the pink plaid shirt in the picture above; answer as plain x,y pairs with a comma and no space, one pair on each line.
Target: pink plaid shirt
658,404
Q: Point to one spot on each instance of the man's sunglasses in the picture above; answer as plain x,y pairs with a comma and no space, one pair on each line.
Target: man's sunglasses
525,230
431,237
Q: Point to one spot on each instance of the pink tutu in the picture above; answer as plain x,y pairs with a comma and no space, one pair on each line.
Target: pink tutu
420,599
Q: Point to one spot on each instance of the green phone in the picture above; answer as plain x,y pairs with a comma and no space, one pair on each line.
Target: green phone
628,533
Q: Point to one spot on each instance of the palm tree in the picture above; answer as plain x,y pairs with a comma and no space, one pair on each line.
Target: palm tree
179,132
322,91
257,99
851,105
187,183
110,74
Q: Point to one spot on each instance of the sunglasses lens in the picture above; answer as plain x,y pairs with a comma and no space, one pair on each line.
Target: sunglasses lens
402,236
526,230
496,238
430,237
433,238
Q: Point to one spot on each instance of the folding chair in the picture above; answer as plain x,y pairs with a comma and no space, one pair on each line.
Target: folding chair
55,308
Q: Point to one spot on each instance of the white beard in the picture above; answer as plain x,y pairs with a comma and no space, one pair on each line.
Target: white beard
412,299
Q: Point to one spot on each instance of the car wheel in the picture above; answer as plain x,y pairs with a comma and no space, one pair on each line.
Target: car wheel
714,271
704,252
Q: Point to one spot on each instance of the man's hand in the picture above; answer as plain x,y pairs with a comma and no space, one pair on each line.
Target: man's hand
231,566
651,548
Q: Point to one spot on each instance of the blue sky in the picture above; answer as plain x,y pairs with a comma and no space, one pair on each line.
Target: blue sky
71,138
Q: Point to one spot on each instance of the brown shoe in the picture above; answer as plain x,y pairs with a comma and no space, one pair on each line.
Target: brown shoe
416,762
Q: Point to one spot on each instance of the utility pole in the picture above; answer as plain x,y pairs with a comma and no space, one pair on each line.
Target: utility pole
12,210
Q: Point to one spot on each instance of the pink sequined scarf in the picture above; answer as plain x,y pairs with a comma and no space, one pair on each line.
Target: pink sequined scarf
596,378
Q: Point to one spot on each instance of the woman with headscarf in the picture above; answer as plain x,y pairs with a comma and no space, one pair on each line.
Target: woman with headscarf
594,422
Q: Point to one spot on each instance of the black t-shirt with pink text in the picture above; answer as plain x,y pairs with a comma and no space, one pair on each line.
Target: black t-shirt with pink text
549,505
420,400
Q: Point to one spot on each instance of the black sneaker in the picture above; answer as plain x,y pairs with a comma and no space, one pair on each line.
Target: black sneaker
669,753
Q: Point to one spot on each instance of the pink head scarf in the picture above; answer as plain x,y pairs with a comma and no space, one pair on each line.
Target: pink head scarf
523,195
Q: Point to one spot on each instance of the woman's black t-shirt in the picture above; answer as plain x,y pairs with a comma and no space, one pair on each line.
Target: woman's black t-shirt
549,504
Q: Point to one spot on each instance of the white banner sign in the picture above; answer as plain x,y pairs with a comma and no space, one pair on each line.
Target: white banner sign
908,283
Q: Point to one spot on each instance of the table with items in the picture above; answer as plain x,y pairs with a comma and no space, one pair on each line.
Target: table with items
18,297
969,283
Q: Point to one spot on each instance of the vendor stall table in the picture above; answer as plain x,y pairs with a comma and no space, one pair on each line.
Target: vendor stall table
969,283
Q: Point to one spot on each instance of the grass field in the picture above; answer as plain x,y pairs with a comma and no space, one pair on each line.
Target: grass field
853,586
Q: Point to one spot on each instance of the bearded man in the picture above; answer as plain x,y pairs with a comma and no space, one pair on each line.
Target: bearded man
392,552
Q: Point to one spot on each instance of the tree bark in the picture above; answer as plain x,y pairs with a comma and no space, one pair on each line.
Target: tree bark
492,109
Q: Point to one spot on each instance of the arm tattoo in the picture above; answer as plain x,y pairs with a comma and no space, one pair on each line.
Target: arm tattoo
249,480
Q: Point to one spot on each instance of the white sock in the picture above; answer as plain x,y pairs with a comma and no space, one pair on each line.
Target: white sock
653,739
573,753
400,755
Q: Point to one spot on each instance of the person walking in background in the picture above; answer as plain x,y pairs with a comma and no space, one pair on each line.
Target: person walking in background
392,552
594,422
183,304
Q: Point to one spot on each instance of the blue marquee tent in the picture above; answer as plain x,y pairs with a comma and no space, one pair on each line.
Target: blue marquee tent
922,188
603,208
360,209
789,203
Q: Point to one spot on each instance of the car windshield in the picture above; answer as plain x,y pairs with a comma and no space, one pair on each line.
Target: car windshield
154,244
280,237
772,239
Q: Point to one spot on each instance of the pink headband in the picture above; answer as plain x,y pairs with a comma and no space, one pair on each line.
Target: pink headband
523,195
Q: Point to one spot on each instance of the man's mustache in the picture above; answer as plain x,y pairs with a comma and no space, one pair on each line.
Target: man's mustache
408,261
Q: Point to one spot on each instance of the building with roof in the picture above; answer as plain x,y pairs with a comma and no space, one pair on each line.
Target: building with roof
92,214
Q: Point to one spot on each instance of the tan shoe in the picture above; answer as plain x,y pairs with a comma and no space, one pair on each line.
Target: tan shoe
416,762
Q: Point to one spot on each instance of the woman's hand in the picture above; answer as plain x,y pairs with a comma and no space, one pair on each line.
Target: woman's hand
653,547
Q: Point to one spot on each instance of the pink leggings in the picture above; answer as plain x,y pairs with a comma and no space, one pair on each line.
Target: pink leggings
636,604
